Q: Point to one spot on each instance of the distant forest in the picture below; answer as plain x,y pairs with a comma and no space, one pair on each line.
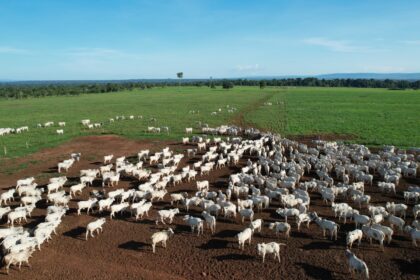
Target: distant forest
17,90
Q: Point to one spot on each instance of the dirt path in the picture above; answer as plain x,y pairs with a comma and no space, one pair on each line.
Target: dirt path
281,115
239,118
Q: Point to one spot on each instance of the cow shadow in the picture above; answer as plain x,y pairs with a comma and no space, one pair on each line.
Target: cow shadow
219,184
214,244
318,245
237,257
407,267
134,245
184,229
316,272
226,233
76,233
299,234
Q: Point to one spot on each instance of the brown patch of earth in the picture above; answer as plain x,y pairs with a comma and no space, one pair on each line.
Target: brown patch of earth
123,250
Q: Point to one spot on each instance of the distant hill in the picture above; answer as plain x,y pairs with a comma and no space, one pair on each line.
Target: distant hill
375,76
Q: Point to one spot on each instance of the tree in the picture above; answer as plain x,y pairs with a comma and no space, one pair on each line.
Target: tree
263,84
227,84
211,83
180,75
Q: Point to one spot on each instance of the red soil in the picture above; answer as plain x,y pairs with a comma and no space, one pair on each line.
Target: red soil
123,250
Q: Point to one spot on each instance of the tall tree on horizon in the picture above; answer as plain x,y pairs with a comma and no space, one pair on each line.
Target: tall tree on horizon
180,75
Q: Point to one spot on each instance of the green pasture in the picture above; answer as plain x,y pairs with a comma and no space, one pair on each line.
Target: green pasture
371,116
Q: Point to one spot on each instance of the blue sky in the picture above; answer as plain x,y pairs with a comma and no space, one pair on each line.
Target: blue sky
80,39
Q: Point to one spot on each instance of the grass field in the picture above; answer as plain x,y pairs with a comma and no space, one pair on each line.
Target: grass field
371,116
368,116
170,106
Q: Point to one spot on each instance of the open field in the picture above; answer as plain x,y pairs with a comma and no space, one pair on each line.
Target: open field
170,107
367,116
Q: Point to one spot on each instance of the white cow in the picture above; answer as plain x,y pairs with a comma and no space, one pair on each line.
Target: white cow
94,226
269,248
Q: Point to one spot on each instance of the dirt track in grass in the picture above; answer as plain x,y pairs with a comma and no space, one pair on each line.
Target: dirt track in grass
239,117
123,250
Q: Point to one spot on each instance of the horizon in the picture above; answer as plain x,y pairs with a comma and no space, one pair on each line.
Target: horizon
325,76
50,41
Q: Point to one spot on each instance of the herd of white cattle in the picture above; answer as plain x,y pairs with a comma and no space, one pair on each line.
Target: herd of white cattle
87,123
273,172
9,130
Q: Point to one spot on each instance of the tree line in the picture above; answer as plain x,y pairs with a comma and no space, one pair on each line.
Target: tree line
18,90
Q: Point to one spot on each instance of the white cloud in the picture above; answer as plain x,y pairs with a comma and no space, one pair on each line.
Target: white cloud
95,52
100,63
336,45
11,50
247,68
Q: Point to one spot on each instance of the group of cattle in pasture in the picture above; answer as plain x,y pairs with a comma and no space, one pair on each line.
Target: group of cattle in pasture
87,123
271,171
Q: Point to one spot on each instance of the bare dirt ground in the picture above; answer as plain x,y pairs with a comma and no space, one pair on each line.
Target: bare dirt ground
123,250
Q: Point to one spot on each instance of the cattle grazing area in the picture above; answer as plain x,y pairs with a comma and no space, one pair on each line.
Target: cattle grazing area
237,204
367,116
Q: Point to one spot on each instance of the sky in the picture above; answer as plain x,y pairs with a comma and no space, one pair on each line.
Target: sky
129,39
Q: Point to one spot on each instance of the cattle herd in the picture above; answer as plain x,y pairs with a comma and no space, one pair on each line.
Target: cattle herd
88,124
271,170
